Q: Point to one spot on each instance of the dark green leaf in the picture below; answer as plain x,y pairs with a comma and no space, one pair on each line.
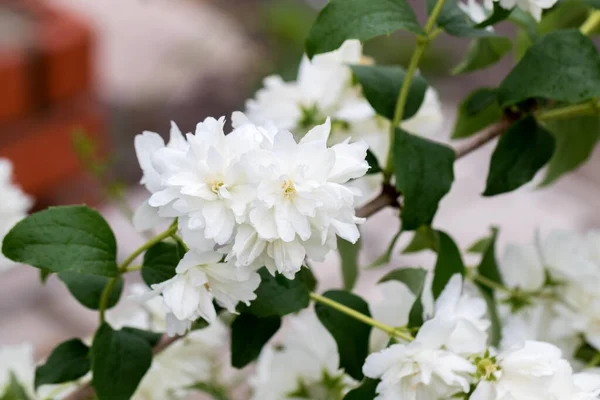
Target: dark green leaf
14,390
586,353
562,66
351,336
484,52
358,19
479,110
278,296
414,279
349,261
88,289
366,391
424,238
374,167
306,276
455,22
151,337
248,336
449,262
593,3
381,85
70,238
160,262
488,268
424,172
498,14
520,153
70,360
575,141
387,256
44,275
119,361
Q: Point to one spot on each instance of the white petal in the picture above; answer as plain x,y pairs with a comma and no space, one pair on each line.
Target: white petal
146,217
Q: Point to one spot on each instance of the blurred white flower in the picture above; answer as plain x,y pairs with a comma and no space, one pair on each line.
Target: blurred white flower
14,205
477,12
16,362
421,369
303,365
533,7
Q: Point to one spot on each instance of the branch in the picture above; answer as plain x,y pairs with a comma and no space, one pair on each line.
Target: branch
387,197
482,138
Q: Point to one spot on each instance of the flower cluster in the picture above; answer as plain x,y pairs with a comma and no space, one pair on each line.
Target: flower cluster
450,357
254,197
478,13
14,205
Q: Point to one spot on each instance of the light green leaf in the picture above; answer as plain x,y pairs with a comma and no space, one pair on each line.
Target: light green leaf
340,20
160,262
88,289
484,52
351,336
69,361
119,361
561,66
576,138
349,261
249,334
14,390
424,171
455,22
520,153
449,262
381,85
424,238
71,238
414,279
479,110
480,246
387,256
213,390
278,296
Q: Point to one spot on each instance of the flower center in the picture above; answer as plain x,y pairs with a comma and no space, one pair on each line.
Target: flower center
486,368
215,186
289,191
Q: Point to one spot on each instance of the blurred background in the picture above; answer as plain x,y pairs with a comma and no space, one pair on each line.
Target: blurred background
80,78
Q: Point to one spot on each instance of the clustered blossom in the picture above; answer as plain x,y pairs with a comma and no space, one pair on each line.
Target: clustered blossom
478,13
254,197
449,357
14,205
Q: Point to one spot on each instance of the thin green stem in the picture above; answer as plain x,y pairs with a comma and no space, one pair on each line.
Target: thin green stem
180,241
390,330
132,268
591,23
490,283
577,110
106,296
422,42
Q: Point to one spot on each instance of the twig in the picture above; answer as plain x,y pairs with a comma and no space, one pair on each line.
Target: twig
482,138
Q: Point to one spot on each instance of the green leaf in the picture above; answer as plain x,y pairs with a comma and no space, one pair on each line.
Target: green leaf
565,15
69,361
366,391
479,110
424,238
374,167
351,336
387,256
248,336
340,20
349,261
424,172
88,289
307,278
586,352
215,391
575,141
414,279
278,296
14,390
561,66
488,268
71,238
480,246
119,361
520,153
151,337
160,262
44,275
455,22
498,14
449,262
484,52
381,85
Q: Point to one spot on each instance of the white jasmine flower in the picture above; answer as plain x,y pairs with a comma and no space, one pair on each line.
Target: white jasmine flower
146,146
16,362
477,12
468,315
523,373
522,268
200,279
534,7
582,386
302,365
421,369
14,205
